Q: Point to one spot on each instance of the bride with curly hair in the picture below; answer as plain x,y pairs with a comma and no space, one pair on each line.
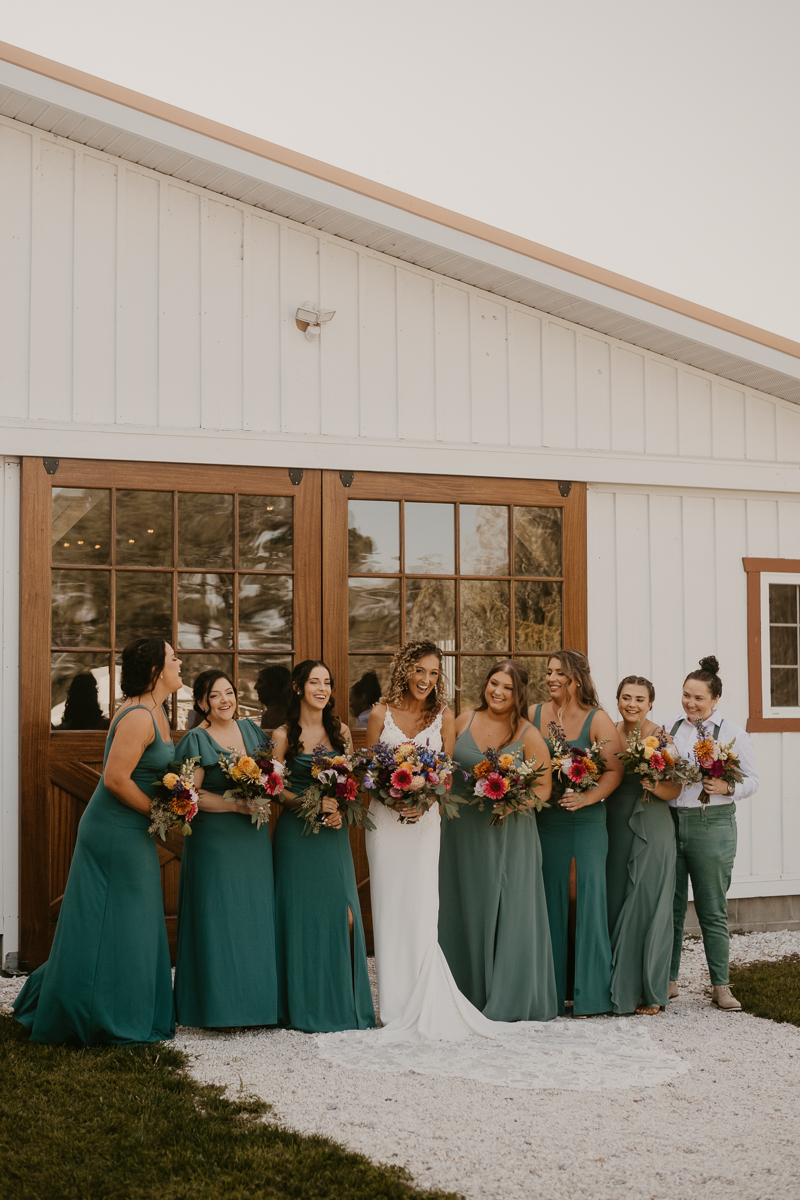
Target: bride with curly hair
417,995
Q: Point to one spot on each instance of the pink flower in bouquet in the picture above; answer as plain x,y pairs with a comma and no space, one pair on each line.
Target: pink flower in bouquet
495,786
656,761
716,769
433,778
402,778
395,793
577,770
418,783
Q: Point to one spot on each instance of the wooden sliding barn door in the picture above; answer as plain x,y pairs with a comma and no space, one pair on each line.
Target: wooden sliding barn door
223,562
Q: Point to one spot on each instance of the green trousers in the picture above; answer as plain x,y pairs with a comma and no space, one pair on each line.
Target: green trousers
706,840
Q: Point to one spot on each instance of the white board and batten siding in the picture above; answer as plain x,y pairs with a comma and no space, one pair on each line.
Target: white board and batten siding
137,310
145,318
666,587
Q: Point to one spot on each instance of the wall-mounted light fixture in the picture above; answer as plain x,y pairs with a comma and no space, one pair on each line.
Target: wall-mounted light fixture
310,318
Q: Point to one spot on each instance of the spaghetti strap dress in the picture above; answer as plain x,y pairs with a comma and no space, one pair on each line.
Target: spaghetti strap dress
225,972
493,925
108,977
580,835
323,984
640,880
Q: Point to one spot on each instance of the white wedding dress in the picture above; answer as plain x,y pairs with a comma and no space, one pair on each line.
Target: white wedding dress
428,1026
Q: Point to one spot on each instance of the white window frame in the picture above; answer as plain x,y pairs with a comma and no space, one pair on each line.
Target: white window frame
770,710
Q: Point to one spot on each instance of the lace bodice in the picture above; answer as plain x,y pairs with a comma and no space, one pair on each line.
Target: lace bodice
430,736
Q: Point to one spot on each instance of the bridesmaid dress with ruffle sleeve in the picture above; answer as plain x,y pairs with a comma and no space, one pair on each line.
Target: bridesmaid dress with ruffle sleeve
108,977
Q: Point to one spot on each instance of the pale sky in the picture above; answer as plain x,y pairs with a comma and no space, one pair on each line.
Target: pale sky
656,139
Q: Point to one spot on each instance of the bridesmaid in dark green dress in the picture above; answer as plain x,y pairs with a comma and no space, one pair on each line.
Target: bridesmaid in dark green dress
225,974
108,978
575,842
493,924
640,871
323,985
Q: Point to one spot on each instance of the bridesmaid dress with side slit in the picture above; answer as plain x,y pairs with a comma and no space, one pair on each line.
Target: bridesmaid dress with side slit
108,977
225,973
580,835
323,984
493,925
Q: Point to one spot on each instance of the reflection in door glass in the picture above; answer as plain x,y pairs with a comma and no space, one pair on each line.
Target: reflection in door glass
79,691
205,612
374,606
143,605
537,615
264,682
81,525
429,539
369,677
205,529
265,612
484,539
431,611
537,541
81,608
485,623
144,529
265,533
373,536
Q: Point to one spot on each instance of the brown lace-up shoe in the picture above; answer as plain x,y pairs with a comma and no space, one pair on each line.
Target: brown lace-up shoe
722,996
673,990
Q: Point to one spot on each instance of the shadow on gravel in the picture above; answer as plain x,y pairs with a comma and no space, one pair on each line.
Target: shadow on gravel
128,1123
769,989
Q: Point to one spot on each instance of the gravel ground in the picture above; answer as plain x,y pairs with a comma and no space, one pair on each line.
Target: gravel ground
729,1127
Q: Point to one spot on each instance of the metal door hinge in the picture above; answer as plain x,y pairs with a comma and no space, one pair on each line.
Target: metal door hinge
564,488
51,465
347,478
296,475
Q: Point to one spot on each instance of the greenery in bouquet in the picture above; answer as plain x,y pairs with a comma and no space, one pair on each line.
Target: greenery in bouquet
411,775
508,782
653,759
714,760
574,769
335,778
174,802
256,778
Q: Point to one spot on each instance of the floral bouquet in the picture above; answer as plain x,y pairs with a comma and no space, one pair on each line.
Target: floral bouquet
255,778
335,776
174,802
414,774
508,782
574,769
652,759
714,760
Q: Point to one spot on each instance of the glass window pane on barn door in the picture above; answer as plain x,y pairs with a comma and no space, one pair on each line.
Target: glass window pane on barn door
81,608
81,526
79,690
374,608
205,530
265,533
373,537
144,529
537,541
784,644
429,535
484,539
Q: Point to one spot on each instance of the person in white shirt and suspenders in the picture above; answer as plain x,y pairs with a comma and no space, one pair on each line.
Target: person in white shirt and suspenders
706,832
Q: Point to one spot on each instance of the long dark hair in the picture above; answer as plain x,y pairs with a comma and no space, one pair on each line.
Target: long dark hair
82,708
575,666
709,675
332,724
202,687
519,677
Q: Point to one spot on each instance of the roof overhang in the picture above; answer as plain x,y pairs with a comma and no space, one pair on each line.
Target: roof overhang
166,139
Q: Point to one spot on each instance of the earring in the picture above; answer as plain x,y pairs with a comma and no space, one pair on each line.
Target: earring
161,676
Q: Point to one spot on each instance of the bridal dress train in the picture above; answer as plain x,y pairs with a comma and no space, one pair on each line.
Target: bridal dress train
429,1027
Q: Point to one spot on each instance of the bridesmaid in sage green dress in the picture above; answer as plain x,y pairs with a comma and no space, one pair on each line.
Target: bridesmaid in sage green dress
493,924
575,842
323,985
225,974
640,871
108,977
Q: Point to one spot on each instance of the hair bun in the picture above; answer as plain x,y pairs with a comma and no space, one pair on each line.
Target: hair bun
709,664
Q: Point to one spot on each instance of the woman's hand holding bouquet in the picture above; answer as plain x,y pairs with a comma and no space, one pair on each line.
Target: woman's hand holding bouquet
409,778
255,779
574,770
174,801
715,763
334,793
654,760
508,782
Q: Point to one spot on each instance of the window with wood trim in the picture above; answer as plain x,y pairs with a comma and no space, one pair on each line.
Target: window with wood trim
773,624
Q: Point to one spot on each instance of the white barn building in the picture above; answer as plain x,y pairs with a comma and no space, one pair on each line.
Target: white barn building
522,451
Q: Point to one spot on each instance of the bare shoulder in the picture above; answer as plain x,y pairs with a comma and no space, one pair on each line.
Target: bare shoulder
280,738
135,722
345,732
463,719
603,727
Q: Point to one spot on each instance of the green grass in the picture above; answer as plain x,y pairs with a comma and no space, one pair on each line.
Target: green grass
769,989
124,1123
